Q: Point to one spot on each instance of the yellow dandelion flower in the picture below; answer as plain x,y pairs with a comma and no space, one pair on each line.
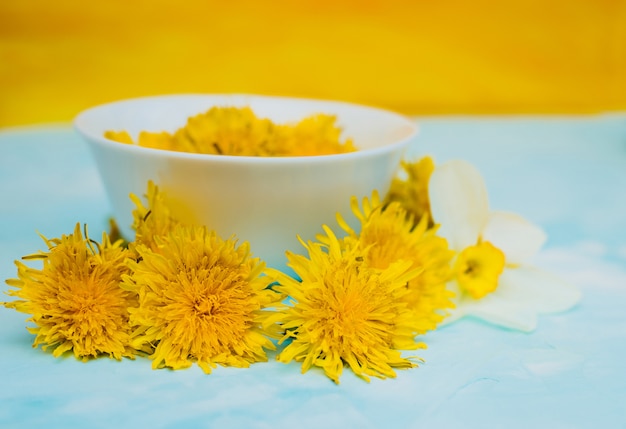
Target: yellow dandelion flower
344,312
411,190
390,235
157,140
75,300
201,299
226,131
119,136
153,220
315,135
238,131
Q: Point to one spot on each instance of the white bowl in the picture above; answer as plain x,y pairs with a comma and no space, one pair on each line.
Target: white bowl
266,201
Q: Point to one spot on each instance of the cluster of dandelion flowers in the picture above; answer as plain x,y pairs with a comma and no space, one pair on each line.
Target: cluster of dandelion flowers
239,131
202,299
390,234
344,312
75,299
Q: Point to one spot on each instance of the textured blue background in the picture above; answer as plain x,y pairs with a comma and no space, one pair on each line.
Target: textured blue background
567,174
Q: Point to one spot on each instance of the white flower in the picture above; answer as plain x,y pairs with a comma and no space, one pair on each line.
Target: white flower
492,279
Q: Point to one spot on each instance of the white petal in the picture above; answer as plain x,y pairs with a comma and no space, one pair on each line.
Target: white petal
458,201
491,309
522,294
497,311
537,290
519,239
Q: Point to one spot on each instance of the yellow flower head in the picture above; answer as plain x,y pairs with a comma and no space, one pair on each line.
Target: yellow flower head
152,221
412,189
201,299
238,131
226,131
159,140
314,135
345,312
389,234
478,268
75,300
119,136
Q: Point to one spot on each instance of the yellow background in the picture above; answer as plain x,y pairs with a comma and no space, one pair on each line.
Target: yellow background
417,57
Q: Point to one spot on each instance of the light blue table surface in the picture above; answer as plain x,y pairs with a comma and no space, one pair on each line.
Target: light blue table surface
567,174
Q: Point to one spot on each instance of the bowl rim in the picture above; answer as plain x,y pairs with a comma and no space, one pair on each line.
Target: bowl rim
95,138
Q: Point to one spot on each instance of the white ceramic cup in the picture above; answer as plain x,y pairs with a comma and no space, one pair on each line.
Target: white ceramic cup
267,201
